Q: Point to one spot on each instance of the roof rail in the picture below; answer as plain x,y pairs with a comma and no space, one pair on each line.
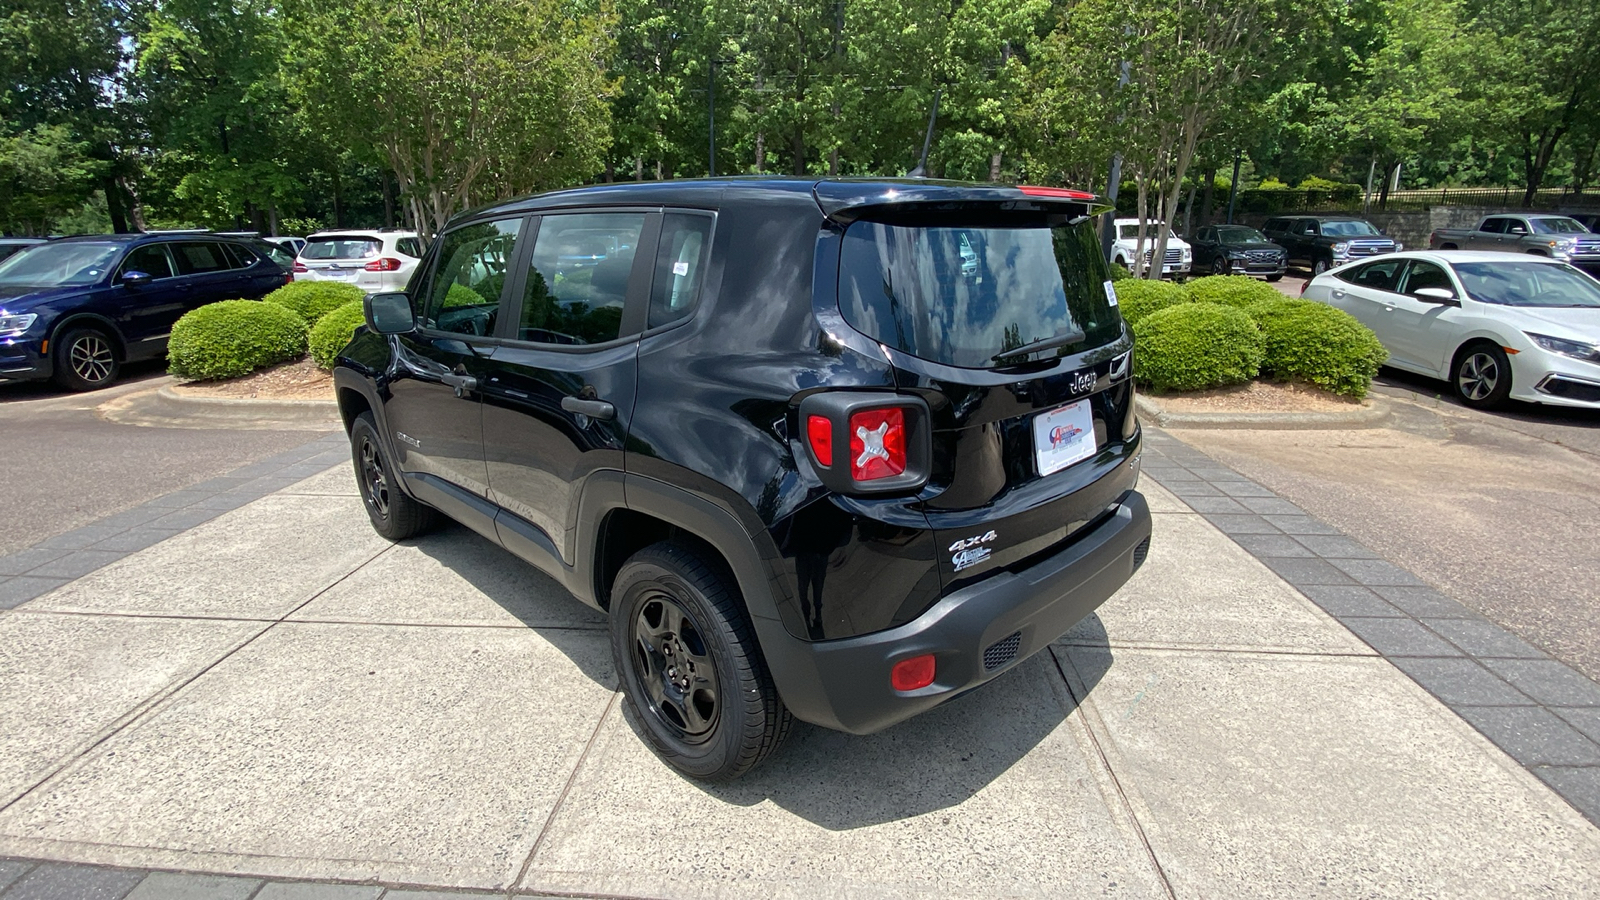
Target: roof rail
178,231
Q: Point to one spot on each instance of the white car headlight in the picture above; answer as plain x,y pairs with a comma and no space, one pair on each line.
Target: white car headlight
1574,349
11,326
1341,248
1398,246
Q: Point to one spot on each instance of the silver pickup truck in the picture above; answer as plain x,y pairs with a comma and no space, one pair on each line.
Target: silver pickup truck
1553,236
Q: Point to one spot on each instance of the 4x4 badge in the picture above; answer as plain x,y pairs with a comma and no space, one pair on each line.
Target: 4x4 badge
968,552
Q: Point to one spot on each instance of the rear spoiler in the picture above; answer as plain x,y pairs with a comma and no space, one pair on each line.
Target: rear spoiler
846,201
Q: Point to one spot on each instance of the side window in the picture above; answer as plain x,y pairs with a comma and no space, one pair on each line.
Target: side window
411,247
1493,226
1309,227
240,257
150,259
578,282
200,257
464,294
1516,226
1424,274
680,267
1381,275
1203,235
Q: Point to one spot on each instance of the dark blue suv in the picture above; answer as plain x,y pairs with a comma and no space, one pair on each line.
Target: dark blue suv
76,309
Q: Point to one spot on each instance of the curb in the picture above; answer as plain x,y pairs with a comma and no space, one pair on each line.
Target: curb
166,408
1372,416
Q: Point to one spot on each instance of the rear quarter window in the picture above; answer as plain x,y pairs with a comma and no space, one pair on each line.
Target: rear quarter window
960,295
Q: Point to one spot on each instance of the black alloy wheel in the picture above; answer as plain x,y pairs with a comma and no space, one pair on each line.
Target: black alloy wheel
675,668
1482,376
85,360
697,687
394,514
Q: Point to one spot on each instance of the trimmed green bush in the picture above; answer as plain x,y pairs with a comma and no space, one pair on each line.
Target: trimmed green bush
1231,290
233,338
333,331
1139,297
1193,346
311,300
1306,341
1119,273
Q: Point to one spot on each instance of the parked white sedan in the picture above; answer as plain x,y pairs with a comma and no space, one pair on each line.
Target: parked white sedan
1495,325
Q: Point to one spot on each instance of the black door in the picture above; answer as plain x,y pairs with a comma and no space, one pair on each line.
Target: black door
556,408
434,408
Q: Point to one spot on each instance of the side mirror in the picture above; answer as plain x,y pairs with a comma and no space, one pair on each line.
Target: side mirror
1436,295
388,313
135,278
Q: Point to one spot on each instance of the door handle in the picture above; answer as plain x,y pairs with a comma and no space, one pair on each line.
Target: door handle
1337,292
594,409
462,383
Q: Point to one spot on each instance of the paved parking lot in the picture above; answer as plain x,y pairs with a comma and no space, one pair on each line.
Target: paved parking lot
276,694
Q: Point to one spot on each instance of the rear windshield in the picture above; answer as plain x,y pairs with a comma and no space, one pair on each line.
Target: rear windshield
341,248
960,296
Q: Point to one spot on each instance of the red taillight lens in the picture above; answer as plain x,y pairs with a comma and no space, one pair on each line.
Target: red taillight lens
300,267
386,264
820,432
911,674
877,443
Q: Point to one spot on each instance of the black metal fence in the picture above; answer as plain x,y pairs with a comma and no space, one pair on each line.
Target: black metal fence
1351,200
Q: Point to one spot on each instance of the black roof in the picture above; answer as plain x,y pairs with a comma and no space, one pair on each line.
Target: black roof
831,194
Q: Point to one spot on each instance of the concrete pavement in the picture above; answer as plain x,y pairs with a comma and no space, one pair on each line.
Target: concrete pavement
273,694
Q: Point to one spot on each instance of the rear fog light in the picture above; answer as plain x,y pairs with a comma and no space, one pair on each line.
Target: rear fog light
912,674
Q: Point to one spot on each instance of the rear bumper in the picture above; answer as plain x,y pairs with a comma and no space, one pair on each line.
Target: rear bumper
844,684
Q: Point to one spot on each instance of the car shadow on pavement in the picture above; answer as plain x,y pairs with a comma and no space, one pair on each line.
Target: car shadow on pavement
934,761
838,781
1441,392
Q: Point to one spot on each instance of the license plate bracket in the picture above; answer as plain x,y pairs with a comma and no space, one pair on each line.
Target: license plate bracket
1063,436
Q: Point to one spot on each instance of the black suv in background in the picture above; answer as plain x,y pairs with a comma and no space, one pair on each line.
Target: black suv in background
77,308
1323,242
835,450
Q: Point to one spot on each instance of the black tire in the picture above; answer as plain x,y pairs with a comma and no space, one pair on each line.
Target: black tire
394,514
1221,266
1318,267
85,360
1481,375
1275,278
690,666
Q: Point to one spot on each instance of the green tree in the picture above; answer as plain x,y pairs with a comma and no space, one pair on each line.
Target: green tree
468,101
1531,67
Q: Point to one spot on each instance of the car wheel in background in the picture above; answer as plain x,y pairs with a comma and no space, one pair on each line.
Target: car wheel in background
1277,277
1220,265
690,666
1481,375
1318,267
85,360
394,514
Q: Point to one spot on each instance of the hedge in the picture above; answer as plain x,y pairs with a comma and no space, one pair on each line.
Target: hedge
333,331
233,338
1306,341
1193,346
311,300
1139,297
1231,290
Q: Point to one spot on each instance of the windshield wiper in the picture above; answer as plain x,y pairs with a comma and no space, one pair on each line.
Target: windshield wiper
1063,339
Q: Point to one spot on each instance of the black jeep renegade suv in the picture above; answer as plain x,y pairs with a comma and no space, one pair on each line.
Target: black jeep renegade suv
837,450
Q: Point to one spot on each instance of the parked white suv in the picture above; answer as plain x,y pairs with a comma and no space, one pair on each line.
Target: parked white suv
375,261
1179,259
